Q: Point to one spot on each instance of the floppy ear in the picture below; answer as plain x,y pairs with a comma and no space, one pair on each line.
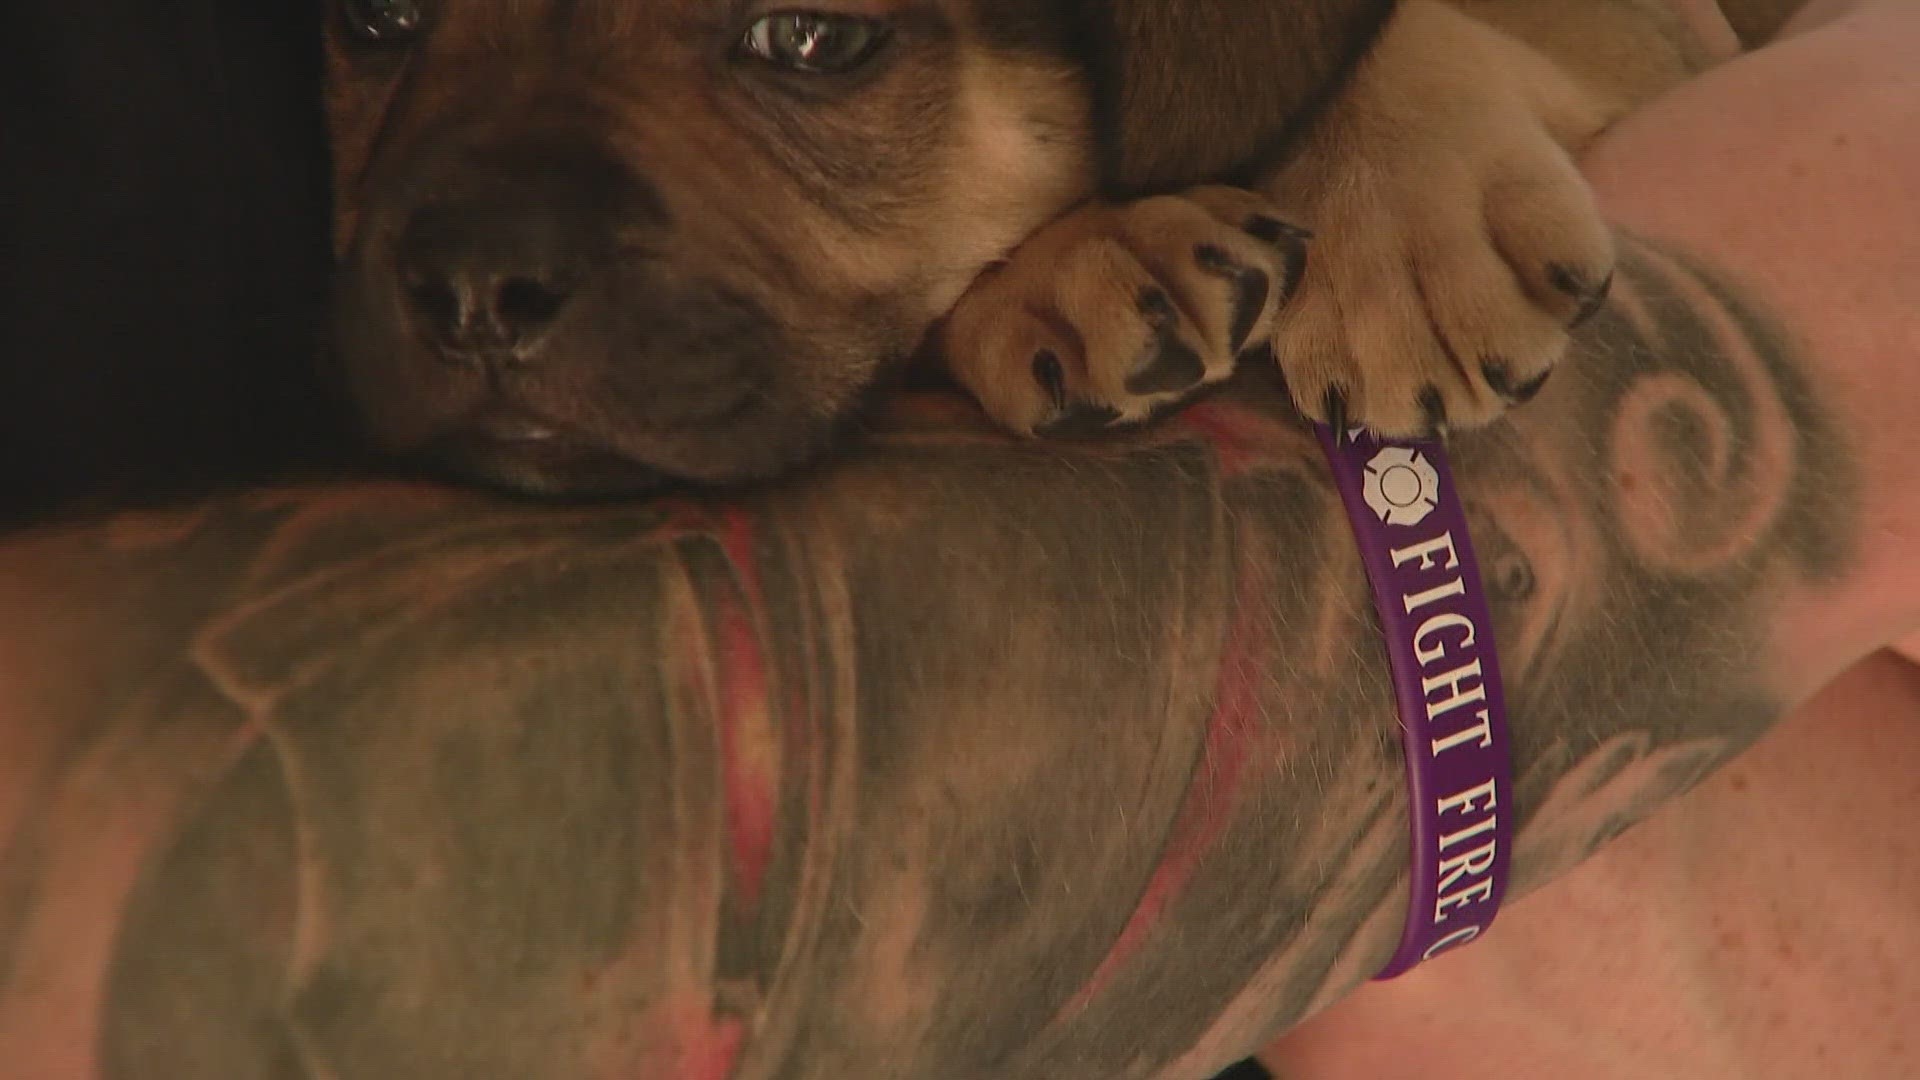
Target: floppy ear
1192,91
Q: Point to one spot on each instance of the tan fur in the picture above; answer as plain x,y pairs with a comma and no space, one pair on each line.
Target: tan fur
851,225
1449,216
1074,293
840,226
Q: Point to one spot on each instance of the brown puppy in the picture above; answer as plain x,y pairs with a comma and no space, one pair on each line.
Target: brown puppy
590,243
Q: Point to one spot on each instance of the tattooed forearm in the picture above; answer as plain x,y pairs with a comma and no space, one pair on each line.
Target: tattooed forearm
965,759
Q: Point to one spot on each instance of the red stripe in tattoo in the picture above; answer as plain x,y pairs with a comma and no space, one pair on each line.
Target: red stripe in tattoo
682,1038
1232,732
748,743
709,1047
739,539
1240,436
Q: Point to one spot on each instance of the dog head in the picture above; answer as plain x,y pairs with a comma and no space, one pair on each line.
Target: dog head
590,244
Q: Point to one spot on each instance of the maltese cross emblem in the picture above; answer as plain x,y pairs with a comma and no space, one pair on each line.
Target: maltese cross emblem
1401,486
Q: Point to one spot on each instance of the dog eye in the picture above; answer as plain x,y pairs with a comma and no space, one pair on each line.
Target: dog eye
814,42
382,22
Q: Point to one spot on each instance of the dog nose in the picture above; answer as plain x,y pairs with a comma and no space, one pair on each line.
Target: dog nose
512,235
487,282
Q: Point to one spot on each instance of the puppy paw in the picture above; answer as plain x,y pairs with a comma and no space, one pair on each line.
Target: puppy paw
1445,292
1457,247
1116,312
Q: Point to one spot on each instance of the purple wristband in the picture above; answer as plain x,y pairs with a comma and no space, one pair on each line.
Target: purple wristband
1413,538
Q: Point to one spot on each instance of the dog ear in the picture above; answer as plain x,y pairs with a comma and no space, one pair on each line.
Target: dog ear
1192,91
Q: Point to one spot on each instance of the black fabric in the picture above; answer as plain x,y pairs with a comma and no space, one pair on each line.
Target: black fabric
163,248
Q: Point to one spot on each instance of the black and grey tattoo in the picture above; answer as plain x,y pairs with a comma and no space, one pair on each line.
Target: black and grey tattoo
965,758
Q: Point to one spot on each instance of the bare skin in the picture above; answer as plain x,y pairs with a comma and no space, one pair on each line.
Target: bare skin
854,779
1761,927
1764,925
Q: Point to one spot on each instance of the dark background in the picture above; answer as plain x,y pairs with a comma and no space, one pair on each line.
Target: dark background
163,249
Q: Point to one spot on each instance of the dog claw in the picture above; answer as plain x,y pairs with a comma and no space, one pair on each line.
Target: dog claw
1174,367
1080,421
1273,230
1433,406
1051,377
1530,389
1592,305
1500,380
1335,405
1592,297
1250,287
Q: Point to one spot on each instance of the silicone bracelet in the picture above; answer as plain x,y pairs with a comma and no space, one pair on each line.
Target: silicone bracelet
1413,539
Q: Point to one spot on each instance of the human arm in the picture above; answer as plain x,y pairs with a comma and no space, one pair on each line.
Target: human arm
1761,927
964,758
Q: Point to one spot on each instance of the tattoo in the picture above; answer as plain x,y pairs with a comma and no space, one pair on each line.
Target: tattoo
966,758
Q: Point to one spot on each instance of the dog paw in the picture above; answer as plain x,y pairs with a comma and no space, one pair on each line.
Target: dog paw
1443,293
1457,246
1117,311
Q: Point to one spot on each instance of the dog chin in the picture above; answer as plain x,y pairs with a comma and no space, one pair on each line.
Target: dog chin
554,468
537,460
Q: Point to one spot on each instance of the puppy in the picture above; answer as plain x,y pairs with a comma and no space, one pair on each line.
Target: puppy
590,245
